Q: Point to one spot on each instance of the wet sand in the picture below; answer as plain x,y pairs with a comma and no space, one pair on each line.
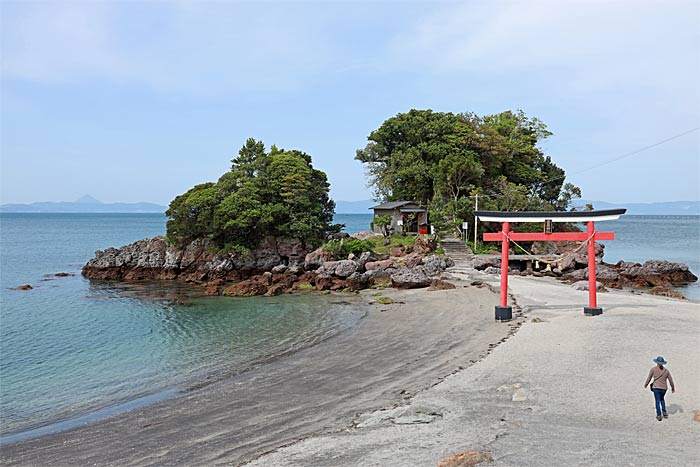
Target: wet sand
396,352
565,390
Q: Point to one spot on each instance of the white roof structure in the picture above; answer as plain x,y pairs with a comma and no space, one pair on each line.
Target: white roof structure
554,216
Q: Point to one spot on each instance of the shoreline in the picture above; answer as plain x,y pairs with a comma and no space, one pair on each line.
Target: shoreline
566,389
395,352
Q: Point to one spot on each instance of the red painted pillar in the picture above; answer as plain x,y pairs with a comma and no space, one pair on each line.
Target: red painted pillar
504,264
592,308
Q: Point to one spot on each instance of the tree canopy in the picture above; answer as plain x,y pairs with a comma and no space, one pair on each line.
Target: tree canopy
443,159
276,193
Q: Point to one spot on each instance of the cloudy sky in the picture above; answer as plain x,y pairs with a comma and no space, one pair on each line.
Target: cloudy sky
139,101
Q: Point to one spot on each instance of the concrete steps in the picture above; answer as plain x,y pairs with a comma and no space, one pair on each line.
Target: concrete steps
458,251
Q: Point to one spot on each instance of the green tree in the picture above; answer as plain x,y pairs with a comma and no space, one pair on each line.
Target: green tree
276,193
442,159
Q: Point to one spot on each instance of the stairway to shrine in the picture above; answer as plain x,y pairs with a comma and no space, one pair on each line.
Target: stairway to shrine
459,252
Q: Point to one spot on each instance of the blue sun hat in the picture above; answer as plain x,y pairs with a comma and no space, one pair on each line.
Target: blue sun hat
660,360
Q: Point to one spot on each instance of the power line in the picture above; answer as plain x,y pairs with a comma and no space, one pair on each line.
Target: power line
610,161
623,156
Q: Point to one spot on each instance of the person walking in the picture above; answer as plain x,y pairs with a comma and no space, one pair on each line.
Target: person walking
658,385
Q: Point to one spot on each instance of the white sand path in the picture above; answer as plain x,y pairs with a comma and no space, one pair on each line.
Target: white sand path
581,380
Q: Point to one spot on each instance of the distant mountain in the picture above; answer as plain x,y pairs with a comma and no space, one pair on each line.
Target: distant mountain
84,204
354,207
87,199
669,208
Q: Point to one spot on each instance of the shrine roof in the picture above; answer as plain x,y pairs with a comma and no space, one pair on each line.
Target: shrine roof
554,216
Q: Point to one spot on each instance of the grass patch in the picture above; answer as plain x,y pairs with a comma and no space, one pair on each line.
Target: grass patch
384,301
375,245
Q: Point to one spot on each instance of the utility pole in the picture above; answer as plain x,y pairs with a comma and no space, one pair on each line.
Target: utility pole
475,221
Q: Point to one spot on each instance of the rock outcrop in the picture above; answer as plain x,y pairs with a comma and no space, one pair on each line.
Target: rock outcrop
275,267
198,262
653,273
666,292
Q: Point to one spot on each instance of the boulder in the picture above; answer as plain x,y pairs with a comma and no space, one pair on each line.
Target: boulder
583,285
328,267
482,262
23,287
344,268
412,260
359,281
492,270
380,265
410,278
211,290
280,268
247,288
362,261
323,281
434,265
396,251
365,235
316,258
424,245
660,272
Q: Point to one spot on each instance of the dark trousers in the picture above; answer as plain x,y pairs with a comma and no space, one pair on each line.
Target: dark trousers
659,399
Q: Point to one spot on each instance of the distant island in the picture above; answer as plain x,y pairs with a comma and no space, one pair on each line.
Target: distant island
84,204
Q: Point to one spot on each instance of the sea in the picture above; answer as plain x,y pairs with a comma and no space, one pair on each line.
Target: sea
73,350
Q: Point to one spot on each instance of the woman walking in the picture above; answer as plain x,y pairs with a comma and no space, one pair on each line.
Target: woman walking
658,385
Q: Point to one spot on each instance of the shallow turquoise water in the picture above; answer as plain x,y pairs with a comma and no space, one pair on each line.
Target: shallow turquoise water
71,347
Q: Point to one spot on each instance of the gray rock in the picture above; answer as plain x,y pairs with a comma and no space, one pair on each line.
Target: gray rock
362,261
382,265
279,269
434,265
359,281
328,267
344,268
492,270
481,263
410,278
583,285
365,235
316,258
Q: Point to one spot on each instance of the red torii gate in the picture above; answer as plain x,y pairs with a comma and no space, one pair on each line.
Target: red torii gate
505,312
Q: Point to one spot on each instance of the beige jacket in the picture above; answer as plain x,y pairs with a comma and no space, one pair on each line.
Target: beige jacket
659,377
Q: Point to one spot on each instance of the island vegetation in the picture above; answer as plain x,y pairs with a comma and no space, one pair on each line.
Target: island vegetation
275,193
443,160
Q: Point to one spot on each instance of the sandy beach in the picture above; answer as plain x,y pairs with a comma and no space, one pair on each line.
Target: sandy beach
565,390
394,353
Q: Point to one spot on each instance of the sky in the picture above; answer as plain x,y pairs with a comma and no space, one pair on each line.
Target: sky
139,101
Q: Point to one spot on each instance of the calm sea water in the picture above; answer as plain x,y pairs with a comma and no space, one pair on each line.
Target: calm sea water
72,350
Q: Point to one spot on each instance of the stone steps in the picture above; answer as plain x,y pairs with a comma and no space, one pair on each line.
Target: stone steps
458,251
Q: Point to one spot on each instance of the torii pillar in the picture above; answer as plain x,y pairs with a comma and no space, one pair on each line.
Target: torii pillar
505,312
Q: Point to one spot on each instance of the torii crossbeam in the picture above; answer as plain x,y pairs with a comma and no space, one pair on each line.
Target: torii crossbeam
505,312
